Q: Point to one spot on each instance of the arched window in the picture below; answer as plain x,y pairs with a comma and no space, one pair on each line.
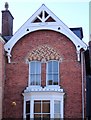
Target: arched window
52,73
35,73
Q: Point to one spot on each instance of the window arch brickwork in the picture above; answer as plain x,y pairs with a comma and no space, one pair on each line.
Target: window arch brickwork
44,53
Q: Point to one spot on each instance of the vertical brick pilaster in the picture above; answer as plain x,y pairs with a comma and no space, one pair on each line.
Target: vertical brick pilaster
43,75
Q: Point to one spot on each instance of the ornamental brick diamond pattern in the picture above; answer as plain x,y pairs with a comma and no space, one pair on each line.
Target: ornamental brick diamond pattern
44,53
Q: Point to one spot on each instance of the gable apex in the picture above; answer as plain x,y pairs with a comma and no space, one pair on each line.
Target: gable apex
44,19
43,15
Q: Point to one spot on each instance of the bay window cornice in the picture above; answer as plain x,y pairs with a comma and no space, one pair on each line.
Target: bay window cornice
51,88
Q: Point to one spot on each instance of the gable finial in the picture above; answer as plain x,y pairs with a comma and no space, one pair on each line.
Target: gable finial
43,4
6,5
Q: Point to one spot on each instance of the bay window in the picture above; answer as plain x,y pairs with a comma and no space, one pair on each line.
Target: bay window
42,108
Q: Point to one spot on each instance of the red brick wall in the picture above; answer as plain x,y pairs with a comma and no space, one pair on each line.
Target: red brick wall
2,65
17,73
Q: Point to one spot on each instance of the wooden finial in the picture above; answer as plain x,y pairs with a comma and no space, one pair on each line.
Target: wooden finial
6,5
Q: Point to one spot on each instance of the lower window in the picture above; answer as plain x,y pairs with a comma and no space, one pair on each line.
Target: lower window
57,109
43,109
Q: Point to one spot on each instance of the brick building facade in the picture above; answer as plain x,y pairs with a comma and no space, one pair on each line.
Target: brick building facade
44,70
2,65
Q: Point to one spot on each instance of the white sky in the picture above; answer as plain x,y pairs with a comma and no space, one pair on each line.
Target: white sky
74,13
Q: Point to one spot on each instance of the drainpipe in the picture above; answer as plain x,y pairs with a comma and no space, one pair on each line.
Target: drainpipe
82,66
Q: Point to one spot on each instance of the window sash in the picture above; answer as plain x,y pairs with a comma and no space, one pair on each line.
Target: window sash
52,73
57,109
42,109
35,73
35,79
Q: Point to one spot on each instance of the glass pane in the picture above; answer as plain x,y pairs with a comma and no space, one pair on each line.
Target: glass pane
28,117
57,107
37,106
37,116
38,78
57,116
32,67
55,66
46,116
38,68
50,79
27,106
32,78
50,82
45,107
55,79
50,67
35,79
35,67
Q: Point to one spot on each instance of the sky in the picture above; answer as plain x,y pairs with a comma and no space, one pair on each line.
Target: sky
90,20
73,13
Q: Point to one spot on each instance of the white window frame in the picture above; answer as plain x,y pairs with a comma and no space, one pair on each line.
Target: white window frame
41,101
52,96
29,81
47,73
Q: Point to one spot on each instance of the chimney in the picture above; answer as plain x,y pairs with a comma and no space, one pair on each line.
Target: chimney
7,23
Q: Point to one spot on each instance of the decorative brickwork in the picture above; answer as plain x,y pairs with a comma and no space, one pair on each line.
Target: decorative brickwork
44,53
